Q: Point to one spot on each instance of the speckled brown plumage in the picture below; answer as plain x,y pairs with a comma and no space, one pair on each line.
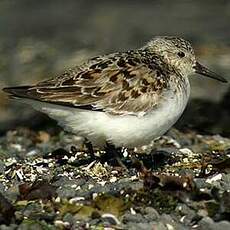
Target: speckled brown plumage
118,83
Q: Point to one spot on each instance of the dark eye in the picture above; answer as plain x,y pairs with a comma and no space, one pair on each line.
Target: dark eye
181,54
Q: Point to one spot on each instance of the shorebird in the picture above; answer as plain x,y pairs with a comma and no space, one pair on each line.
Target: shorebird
126,99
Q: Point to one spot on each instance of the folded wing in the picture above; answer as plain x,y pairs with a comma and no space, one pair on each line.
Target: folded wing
114,84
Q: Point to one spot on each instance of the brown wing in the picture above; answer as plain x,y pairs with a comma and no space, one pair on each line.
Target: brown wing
114,84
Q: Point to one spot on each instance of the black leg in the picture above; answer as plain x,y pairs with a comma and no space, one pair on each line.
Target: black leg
114,153
89,147
111,153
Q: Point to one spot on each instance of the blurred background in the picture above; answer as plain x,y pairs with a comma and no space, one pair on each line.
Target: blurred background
40,39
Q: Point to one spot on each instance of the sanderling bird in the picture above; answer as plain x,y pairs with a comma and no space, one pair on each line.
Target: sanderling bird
126,99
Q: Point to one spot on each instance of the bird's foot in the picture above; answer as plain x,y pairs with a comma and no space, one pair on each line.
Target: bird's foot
113,156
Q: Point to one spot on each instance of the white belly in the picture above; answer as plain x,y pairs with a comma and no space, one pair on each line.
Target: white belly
126,131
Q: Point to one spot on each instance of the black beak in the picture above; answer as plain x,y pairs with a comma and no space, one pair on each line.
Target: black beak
208,73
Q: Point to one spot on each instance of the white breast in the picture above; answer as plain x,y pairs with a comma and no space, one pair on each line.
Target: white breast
126,131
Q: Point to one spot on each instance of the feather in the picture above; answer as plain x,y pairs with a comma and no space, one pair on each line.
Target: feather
120,83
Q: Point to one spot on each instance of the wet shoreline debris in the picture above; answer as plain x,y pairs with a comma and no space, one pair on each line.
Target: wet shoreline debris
50,181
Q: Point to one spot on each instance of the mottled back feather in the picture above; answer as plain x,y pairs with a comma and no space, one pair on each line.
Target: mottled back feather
120,83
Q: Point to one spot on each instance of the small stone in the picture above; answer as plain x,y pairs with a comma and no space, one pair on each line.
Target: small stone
151,214
110,218
208,224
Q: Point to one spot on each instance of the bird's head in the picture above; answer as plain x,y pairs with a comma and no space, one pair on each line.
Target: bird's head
179,54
